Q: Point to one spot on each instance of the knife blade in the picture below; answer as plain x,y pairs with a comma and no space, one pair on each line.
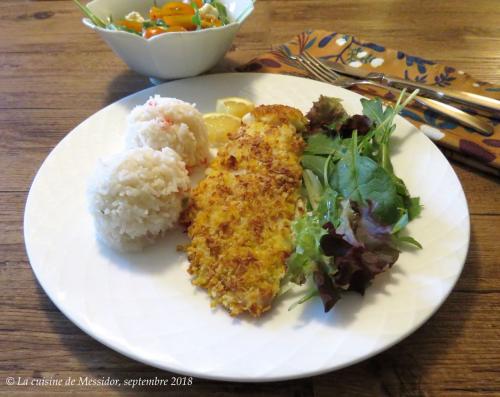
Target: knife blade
439,93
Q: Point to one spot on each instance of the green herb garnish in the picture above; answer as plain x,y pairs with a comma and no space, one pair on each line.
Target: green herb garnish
196,17
221,9
90,15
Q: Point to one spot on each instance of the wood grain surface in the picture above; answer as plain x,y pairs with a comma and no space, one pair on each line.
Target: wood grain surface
54,73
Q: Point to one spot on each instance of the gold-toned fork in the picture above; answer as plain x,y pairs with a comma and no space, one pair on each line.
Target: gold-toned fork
317,69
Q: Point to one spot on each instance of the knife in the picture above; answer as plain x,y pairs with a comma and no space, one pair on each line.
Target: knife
439,93
319,70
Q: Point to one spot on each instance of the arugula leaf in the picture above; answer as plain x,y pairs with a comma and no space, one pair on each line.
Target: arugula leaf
401,223
372,108
365,181
408,240
317,165
384,123
322,144
309,295
413,206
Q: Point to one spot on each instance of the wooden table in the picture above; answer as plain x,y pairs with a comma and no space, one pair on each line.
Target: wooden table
54,73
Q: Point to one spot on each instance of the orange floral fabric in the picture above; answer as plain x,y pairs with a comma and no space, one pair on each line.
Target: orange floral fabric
458,142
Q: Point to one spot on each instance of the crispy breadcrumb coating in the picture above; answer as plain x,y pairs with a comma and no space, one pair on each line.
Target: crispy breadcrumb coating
239,216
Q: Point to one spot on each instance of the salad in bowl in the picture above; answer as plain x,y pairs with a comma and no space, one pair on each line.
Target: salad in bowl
167,39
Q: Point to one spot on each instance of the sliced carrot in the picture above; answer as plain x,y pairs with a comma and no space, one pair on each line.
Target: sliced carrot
132,25
176,29
180,20
176,8
150,32
210,22
154,13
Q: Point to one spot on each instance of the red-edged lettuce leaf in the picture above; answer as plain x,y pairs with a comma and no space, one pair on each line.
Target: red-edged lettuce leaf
326,112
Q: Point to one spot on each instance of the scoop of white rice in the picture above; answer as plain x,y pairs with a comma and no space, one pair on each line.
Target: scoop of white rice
169,122
136,195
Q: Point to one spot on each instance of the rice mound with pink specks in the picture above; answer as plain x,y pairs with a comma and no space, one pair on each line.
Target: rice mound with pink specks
169,122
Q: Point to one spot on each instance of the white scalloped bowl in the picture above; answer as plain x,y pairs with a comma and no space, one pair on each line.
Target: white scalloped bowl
171,55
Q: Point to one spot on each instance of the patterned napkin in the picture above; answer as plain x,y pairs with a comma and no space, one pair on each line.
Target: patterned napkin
458,142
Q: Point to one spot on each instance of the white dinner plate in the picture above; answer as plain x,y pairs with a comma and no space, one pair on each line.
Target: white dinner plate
144,306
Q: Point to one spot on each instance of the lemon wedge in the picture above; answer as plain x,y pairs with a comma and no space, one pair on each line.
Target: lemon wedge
219,126
235,106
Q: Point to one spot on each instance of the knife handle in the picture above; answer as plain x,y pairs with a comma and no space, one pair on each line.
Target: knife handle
440,93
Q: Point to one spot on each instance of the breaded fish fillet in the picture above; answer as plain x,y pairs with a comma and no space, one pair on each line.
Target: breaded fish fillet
239,216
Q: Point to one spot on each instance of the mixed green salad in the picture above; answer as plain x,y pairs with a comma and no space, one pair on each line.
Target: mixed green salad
356,207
